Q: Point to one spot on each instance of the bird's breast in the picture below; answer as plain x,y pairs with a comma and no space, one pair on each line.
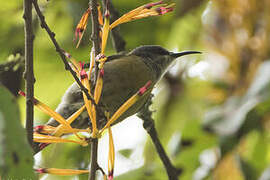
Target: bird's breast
123,78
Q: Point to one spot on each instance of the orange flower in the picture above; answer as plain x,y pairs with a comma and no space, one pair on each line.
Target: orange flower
81,26
62,172
143,12
111,156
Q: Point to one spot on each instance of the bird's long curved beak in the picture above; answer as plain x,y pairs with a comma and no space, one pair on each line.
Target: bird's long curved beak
176,55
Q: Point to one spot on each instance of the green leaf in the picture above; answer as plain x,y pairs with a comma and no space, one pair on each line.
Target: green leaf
16,159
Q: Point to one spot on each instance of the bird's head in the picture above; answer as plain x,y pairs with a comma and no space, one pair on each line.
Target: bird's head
158,58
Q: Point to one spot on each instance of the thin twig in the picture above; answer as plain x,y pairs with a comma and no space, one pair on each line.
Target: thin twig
96,44
59,50
29,73
94,164
149,126
102,171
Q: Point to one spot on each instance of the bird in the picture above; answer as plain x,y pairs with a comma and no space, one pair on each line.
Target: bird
124,75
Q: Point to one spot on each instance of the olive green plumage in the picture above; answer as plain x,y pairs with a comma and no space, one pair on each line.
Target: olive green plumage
124,75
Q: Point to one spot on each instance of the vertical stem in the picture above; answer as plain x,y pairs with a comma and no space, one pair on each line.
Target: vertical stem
29,74
94,164
96,44
95,32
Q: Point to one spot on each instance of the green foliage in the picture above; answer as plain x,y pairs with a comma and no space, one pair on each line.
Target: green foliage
16,160
225,112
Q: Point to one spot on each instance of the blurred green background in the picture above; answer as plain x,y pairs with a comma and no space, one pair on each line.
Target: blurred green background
213,111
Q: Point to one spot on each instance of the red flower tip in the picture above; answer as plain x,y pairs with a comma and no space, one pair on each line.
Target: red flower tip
110,175
78,32
145,88
41,170
150,5
163,10
81,64
43,145
83,74
101,72
21,93
107,13
38,128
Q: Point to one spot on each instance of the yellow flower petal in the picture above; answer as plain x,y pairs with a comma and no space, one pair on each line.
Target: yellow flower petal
100,18
60,130
41,138
90,109
111,155
43,107
127,105
99,85
105,31
81,27
63,172
142,12
47,110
